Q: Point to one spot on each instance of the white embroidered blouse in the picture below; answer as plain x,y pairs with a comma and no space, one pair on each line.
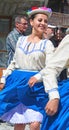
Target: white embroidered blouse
31,57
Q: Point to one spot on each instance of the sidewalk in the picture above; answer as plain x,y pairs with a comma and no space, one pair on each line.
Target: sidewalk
5,126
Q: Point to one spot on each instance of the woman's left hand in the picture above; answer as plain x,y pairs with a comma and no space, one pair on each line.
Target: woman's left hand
32,81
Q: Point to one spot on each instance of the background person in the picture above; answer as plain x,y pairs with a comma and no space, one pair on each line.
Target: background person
55,35
59,35
21,24
49,31
23,95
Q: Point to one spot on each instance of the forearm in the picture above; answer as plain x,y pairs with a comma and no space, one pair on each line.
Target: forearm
50,84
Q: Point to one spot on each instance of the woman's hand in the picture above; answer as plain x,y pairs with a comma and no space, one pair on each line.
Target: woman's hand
32,81
1,86
52,106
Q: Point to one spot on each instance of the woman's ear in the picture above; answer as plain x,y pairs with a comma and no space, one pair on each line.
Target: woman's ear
31,22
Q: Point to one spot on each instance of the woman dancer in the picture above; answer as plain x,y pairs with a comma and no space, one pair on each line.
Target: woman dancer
20,103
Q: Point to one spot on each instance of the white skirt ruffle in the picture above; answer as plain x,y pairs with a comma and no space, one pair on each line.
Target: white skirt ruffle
22,115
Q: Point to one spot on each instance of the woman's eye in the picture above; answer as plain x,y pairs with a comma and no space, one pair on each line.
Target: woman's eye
45,21
40,20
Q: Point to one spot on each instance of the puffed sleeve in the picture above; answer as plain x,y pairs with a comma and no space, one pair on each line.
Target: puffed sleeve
58,61
12,66
8,71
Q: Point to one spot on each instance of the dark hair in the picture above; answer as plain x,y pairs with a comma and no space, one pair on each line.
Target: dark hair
18,18
33,16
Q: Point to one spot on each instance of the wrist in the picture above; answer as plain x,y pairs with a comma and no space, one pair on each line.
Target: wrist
54,94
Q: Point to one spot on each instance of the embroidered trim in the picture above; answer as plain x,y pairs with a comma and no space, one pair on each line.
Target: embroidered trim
3,76
41,47
54,89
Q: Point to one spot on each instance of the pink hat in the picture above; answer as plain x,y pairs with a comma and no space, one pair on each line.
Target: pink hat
36,10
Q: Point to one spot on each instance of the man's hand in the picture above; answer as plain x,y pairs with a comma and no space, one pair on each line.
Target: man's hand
32,81
52,107
1,86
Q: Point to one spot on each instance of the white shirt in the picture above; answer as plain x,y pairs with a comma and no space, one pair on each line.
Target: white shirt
30,56
58,61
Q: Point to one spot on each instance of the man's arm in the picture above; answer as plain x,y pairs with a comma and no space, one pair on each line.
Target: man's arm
57,63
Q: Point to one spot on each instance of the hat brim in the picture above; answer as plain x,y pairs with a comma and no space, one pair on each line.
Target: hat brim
51,26
40,11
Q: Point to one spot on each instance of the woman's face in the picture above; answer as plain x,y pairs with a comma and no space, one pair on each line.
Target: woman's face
39,23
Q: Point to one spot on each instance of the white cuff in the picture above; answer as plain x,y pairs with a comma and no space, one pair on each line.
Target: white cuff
38,77
3,80
54,94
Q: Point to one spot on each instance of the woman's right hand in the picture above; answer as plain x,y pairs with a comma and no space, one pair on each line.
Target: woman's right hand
32,81
52,106
1,86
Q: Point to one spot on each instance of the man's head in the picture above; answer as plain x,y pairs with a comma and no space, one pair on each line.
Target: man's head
49,32
21,23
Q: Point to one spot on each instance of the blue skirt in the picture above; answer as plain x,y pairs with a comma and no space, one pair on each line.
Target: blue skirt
60,121
17,91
